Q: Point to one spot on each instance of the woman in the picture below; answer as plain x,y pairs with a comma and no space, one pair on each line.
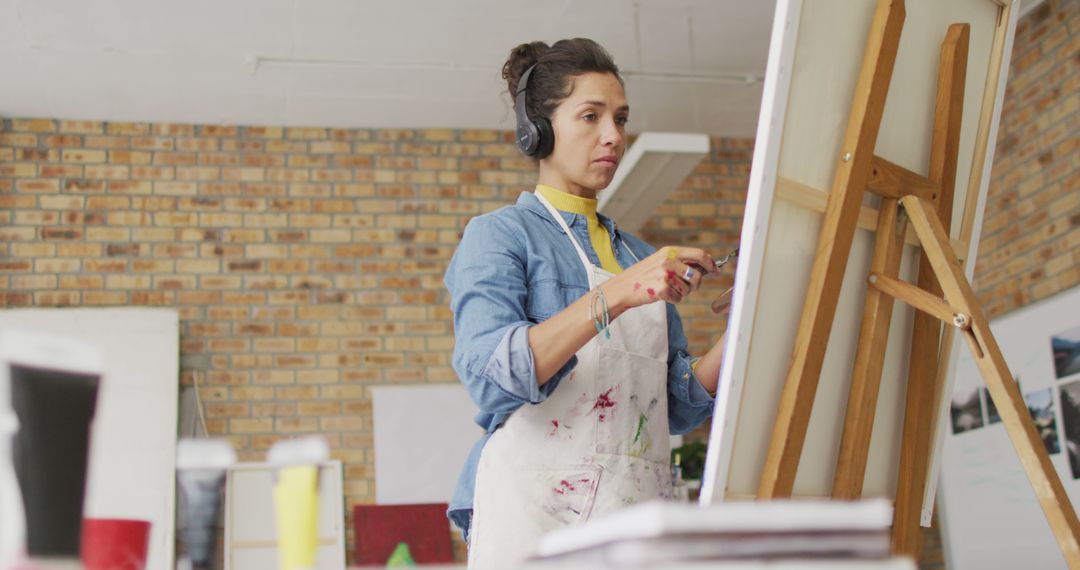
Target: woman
566,333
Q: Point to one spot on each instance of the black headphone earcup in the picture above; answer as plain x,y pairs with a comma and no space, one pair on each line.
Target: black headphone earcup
527,137
547,138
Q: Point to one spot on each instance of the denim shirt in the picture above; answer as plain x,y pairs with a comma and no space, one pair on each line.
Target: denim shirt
515,268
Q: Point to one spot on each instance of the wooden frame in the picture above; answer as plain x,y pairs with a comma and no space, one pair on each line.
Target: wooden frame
728,452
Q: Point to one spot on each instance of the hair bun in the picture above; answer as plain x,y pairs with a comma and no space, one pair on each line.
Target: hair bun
521,58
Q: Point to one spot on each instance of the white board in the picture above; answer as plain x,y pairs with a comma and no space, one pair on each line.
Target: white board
990,516
251,535
423,433
814,60
133,446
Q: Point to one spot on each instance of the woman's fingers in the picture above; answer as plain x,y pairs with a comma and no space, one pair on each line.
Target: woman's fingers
672,295
690,274
693,256
681,272
674,282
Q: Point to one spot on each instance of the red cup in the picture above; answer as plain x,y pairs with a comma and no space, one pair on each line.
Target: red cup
115,544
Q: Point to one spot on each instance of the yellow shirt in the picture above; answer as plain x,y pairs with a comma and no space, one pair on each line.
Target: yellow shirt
598,234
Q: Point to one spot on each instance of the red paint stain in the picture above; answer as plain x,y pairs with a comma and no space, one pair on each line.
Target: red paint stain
565,486
637,286
554,429
670,274
604,402
651,292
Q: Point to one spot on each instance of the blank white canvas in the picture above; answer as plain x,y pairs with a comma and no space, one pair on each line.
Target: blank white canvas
423,434
133,445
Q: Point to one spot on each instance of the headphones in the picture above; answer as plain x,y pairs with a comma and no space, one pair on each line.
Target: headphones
535,139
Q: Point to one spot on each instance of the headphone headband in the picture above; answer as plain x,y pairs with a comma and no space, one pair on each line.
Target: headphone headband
524,81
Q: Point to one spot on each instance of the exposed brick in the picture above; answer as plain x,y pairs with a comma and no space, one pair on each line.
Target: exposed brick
1034,151
129,157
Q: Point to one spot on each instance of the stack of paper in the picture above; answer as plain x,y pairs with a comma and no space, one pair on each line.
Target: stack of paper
655,532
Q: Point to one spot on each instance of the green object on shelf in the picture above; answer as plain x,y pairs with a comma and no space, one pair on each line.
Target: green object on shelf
400,557
693,459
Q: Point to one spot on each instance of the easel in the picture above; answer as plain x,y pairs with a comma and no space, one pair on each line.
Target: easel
927,203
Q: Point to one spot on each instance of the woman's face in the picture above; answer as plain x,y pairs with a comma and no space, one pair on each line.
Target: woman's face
590,136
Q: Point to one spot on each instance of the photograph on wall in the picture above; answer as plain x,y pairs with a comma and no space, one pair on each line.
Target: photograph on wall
1065,346
966,410
1070,417
1040,404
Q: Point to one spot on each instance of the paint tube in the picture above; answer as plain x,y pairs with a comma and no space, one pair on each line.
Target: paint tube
200,473
50,390
296,499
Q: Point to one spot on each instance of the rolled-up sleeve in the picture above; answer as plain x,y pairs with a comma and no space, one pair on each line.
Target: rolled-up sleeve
689,404
488,292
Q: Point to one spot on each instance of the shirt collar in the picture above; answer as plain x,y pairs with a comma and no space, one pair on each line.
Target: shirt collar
530,202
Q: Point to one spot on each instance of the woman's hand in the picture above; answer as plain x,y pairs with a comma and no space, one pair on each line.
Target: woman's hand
669,275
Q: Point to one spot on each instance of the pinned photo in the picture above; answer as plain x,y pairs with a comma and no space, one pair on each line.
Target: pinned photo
1040,404
1065,346
966,410
1070,416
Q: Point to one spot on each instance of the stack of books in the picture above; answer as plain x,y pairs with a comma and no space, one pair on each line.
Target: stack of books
655,533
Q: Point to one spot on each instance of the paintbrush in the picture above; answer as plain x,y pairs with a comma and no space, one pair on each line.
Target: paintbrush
723,302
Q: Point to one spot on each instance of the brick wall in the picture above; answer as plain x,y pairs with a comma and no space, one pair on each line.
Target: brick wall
1030,247
306,264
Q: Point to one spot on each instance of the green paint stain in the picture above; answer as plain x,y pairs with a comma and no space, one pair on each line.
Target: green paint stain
642,420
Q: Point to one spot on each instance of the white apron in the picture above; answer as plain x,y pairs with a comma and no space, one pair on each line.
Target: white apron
599,442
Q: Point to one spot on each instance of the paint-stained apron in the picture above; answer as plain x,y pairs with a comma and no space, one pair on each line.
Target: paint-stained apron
599,442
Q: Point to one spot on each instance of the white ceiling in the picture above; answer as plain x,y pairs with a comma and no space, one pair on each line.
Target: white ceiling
689,65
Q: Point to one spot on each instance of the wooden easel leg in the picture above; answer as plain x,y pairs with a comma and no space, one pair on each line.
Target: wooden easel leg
923,361
870,358
995,372
833,250
918,415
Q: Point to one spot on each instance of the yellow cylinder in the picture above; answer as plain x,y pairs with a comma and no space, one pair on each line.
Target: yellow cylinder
296,503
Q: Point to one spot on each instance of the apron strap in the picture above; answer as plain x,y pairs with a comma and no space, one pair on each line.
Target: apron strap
581,252
577,245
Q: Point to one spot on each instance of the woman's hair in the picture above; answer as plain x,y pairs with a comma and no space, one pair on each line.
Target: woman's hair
556,66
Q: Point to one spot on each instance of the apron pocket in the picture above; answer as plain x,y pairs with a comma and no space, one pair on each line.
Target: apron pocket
515,506
560,495
631,406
